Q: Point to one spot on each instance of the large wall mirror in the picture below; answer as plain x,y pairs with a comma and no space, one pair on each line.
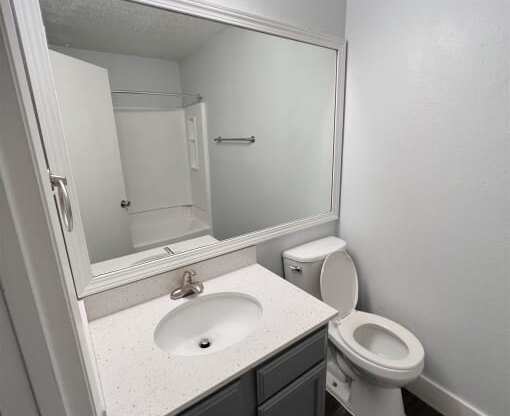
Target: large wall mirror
182,133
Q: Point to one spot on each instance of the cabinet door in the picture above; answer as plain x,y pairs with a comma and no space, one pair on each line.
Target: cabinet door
237,399
304,397
224,402
274,375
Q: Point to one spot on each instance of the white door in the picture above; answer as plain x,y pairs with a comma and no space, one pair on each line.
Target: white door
15,393
86,109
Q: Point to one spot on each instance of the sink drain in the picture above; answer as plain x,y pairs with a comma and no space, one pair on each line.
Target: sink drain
204,343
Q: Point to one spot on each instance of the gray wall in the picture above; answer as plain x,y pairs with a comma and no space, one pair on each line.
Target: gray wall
425,197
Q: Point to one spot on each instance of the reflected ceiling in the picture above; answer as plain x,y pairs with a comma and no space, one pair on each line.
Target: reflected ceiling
119,26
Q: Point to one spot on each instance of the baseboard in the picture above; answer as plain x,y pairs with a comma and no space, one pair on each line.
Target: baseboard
441,399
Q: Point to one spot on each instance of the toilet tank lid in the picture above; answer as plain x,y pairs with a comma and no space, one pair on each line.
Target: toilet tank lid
315,250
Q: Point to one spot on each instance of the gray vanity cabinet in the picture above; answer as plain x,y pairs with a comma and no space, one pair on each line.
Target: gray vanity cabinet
291,383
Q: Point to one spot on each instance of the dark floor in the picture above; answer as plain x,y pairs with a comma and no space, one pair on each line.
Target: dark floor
413,406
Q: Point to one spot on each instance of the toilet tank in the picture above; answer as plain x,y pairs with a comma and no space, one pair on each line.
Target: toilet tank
302,264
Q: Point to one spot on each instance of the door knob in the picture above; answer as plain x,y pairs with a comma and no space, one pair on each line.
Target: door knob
60,184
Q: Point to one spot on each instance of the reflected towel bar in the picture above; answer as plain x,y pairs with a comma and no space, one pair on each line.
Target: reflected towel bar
248,140
164,93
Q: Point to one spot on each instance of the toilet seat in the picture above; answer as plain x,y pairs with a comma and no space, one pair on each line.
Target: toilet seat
387,344
339,282
372,342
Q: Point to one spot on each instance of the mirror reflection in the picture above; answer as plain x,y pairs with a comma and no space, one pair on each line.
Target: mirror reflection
182,132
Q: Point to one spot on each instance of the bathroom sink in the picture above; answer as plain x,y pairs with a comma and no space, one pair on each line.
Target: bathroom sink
208,323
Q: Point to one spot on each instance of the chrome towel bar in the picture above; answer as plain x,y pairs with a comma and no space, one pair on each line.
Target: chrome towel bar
165,93
248,140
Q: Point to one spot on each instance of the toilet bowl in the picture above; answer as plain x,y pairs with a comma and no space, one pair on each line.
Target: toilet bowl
376,355
388,355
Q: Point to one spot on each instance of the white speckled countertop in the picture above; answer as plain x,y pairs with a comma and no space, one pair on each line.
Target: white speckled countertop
139,379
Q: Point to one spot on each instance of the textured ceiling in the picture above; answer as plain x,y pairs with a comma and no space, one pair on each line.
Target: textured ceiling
119,26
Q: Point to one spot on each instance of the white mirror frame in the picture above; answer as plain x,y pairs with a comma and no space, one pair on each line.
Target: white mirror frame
30,30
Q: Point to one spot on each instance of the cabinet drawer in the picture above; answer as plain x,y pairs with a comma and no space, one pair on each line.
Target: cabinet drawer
294,362
304,397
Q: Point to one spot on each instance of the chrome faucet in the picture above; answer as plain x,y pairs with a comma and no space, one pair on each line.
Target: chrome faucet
189,287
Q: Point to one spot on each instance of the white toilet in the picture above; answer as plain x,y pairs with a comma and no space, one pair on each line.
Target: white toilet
370,357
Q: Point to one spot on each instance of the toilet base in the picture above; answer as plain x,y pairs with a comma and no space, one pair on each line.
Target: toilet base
368,399
364,399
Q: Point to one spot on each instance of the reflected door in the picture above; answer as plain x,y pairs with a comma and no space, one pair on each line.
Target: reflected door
86,108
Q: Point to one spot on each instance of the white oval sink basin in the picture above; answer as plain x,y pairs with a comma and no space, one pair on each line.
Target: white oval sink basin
208,323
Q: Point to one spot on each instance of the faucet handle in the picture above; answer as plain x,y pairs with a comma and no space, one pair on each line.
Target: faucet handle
188,275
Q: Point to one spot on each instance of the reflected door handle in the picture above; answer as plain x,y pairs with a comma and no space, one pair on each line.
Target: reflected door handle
125,203
60,184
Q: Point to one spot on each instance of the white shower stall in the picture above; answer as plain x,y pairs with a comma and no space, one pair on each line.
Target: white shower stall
163,164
